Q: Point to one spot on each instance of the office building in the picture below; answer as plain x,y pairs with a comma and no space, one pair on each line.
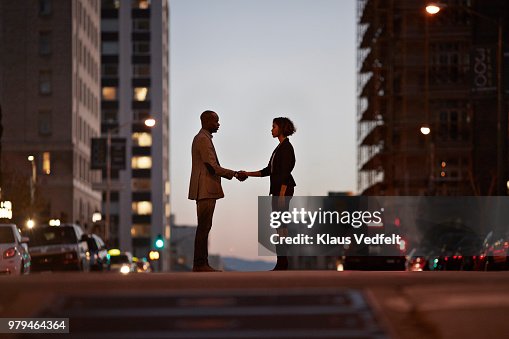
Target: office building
49,94
135,86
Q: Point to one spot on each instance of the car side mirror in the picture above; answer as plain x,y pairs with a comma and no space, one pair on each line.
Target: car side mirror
25,240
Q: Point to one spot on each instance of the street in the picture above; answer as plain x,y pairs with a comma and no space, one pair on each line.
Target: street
292,304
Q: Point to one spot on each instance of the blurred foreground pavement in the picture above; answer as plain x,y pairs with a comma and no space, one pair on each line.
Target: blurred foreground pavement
298,304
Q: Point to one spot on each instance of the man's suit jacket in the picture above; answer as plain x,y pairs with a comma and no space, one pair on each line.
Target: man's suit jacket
206,172
280,168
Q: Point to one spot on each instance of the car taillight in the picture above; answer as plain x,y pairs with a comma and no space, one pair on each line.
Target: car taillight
9,253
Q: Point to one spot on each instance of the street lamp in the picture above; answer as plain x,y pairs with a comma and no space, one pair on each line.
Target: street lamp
434,8
150,122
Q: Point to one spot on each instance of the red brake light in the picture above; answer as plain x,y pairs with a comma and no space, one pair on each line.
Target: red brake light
9,253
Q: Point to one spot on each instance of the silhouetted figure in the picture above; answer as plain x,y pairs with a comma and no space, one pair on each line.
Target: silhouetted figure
282,184
205,186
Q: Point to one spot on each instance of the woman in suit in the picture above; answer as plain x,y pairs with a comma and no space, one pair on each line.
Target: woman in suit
281,164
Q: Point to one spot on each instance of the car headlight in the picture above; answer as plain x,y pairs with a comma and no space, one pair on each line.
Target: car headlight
125,269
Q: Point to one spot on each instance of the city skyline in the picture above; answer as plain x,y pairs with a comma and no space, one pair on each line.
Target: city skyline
251,61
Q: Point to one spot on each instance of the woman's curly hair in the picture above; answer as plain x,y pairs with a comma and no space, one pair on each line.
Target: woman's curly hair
285,125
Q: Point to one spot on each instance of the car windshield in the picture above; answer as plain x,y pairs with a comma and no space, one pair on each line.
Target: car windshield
52,236
119,259
6,235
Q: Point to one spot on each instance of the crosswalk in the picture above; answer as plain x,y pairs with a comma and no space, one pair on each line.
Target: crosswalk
243,313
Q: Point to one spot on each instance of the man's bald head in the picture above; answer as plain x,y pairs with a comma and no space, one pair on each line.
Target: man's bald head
210,121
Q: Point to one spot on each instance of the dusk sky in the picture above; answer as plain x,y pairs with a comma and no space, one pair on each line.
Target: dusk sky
251,61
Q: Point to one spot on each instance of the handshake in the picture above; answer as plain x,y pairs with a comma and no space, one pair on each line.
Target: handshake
241,175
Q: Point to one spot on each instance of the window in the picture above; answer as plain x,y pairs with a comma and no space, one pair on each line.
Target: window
141,71
140,231
141,25
141,4
44,7
140,184
141,162
109,70
140,115
109,93
142,207
46,163
109,25
140,94
453,121
44,43
45,82
450,63
109,116
110,4
45,123
141,47
109,48
142,139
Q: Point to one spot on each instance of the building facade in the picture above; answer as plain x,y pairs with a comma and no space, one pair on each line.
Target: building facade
436,72
135,86
49,94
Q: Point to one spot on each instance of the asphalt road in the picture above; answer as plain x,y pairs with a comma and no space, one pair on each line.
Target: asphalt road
300,304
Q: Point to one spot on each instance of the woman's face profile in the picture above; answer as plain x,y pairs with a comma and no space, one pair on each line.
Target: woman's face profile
275,130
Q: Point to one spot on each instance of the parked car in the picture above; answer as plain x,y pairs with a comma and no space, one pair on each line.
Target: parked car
122,262
14,256
497,255
99,257
59,248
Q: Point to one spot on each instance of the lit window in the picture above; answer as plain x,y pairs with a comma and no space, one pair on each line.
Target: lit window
141,4
167,188
46,163
142,162
142,207
140,184
140,231
142,139
140,93
167,210
109,93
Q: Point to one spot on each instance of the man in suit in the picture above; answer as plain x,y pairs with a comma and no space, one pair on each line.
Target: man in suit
205,186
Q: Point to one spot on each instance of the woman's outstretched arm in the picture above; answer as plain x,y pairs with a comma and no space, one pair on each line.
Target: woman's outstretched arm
254,174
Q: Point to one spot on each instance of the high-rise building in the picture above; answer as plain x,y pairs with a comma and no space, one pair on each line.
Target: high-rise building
135,86
438,72
49,94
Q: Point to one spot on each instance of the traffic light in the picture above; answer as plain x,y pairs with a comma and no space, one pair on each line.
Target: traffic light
159,243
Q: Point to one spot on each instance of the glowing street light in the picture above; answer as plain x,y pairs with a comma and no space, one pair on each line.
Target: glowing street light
30,223
150,122
433,8
425,130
